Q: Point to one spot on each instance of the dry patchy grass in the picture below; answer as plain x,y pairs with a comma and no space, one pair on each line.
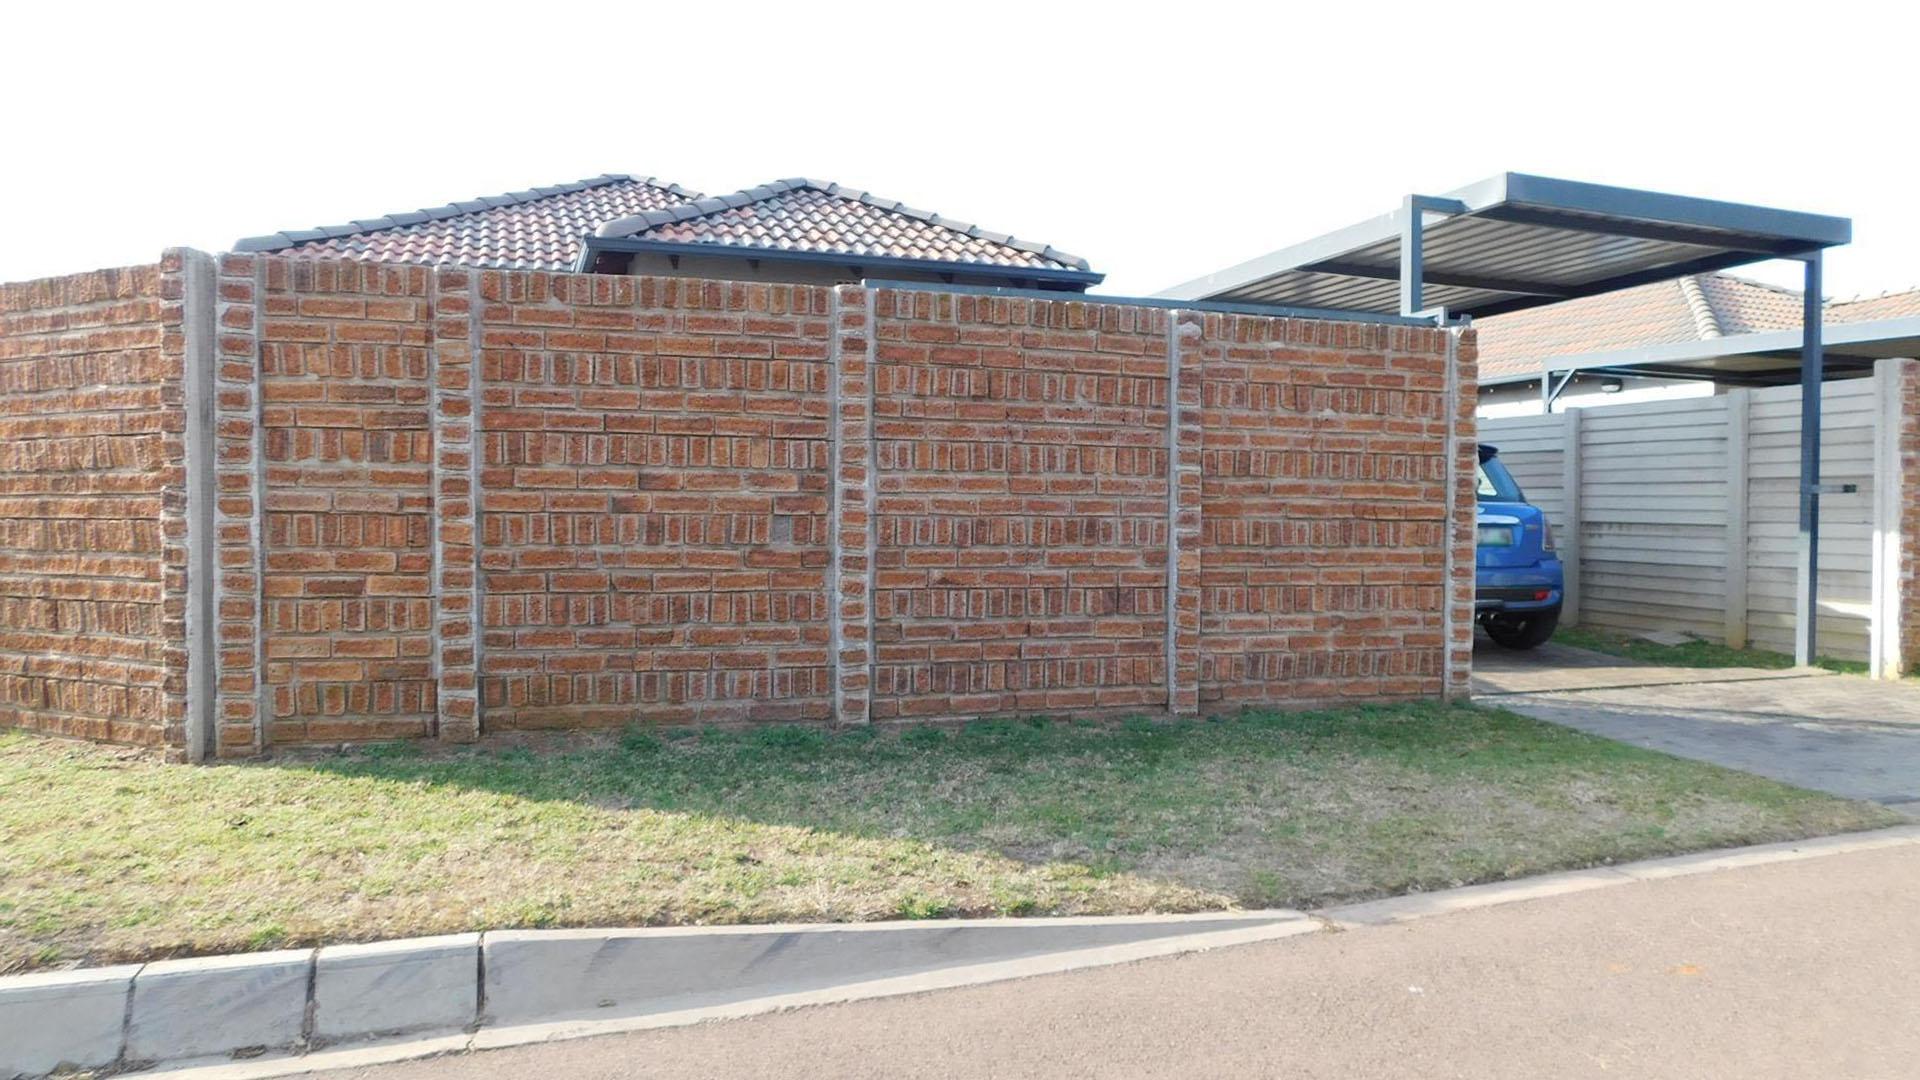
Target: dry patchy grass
108,855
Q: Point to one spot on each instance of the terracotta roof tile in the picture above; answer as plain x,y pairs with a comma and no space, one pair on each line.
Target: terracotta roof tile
1659,314
541,229
1655,314
1898,305
825,218
1749,307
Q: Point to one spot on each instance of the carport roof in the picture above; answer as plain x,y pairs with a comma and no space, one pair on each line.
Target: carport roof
1515,241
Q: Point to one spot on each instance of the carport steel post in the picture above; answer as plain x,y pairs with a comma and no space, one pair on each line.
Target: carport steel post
1807,596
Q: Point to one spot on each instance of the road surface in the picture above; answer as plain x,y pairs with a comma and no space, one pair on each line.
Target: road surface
1790,970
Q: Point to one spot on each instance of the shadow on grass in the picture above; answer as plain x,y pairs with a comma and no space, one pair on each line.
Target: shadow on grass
1255,808
799,824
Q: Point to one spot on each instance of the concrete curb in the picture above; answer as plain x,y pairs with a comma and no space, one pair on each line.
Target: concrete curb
265,1006
290,1011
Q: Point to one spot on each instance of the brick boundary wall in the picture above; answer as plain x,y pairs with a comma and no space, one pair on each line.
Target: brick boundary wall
93,513
1905,519
401,502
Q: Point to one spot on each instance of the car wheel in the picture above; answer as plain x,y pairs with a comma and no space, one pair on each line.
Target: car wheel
1523,631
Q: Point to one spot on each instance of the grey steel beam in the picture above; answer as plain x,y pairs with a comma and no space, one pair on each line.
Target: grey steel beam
1413,270
1413,224
1807,607
1647,230
1665,272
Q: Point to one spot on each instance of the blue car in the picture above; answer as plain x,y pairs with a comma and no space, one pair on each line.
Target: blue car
1518,585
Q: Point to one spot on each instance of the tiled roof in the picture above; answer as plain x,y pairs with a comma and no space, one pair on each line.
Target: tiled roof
1655,314
1749,307
820,217
541,229
1663,313
1900,305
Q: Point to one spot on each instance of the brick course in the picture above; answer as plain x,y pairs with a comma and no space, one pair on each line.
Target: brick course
448,502
348,527
1324,526
654,498
91,459
1021,468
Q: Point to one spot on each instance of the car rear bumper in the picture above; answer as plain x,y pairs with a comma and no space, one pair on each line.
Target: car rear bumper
1521,588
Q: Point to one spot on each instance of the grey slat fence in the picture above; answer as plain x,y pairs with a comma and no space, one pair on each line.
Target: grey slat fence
1682,515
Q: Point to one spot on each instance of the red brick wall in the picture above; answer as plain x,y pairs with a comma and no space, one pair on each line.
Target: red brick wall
348,522
1324,473
447,502
1021,454
653,507
1907,562
90,460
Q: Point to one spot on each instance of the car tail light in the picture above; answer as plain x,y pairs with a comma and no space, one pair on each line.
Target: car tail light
1546,535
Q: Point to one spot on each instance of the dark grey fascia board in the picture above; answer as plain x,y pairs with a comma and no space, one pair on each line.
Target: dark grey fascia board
1809,231
1275,311
1706,264
620,244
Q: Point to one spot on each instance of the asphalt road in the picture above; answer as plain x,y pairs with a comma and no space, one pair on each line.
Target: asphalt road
1791,970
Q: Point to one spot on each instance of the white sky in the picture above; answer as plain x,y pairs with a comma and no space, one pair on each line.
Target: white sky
1160,142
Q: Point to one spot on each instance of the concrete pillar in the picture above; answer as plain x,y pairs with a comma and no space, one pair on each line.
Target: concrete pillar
850,526
455,418
1184,355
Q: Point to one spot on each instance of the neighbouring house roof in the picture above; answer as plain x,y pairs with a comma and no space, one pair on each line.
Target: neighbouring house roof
1693,308
1893,305
540,229
599,223
824,221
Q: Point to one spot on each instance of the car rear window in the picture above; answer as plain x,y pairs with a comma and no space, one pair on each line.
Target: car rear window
1495,484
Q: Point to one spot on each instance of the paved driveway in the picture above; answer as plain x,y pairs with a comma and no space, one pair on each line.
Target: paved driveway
1845,734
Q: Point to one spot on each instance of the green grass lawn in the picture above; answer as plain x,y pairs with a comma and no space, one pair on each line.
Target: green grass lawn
1700,654
109,855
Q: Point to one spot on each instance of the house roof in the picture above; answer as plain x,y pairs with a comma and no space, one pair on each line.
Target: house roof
1694,308
540,229
1893,305
818,217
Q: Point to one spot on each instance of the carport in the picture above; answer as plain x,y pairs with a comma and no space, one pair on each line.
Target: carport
1515,241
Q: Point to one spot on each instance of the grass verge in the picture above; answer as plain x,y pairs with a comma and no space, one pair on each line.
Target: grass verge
1698,654
108,855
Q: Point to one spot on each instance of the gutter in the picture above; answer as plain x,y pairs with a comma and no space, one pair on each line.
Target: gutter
595,245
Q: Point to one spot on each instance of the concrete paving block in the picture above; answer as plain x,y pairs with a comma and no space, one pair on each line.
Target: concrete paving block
57,1018
537,975
390,987
218,1004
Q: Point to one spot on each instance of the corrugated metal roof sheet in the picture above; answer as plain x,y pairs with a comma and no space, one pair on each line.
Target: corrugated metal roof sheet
1518,241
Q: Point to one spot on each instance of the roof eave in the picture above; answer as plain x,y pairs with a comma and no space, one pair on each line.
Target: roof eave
622,244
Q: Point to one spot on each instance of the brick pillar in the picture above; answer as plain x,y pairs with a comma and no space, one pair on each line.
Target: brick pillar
1906,519
1463,443
1184,352
456,452
174,549
850,529
238,506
